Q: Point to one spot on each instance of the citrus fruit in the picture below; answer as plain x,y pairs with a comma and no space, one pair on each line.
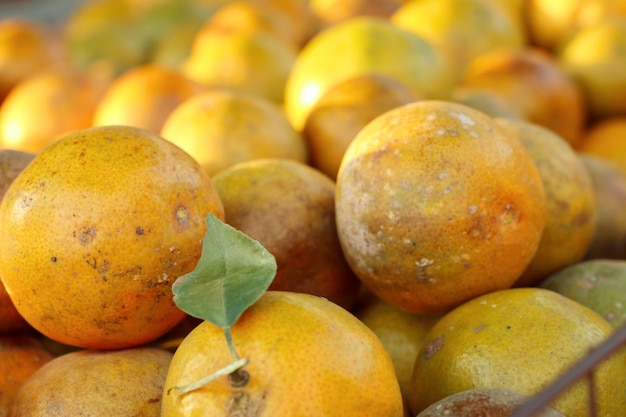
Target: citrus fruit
605,139
486,101
401,332
27,47
571,210
20,356
96,383
534,84
436,204
596,283
609,192
520,339
143,97
362,45
220,128
60,102
12,162
289,207
330,12
595,58
343,110
128,211
257,63
306,356
479,402
451,25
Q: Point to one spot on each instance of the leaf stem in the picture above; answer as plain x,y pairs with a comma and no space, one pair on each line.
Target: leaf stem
227,370
231,345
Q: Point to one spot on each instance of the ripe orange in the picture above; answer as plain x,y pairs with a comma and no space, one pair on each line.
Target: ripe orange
289,207
95,231
330,12
307,357
436,204
96,383
20,357
220,128
571,209
143,97
60,102
534,84
605,139
361,45
520,339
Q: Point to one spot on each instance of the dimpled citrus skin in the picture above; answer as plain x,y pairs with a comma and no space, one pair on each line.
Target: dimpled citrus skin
307,357
96,229
520,339
437,204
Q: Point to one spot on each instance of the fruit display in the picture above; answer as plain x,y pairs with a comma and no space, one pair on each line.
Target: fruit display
294,208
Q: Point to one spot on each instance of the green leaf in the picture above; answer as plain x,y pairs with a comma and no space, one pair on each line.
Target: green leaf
233,272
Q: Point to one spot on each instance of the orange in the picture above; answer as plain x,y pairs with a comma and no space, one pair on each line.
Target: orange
26,47
595,58
129,211
256,63
402,333
289,207
571,209
330,12
520,339
343,110
47,106
361,45
534,84
452,26
143,97
20,357
306,357
12,162
609,192
220,128
605,139
437,204
96,383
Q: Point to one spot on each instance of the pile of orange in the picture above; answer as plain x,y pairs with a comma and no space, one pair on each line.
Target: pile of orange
418,169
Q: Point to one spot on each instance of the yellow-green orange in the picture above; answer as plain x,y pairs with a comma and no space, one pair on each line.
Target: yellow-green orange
95,231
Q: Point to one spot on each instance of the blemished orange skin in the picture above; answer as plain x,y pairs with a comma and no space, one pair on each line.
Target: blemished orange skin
306,357
143,97
20,356
95,231
436,204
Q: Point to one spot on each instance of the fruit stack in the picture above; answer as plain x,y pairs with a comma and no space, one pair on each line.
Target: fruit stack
381,208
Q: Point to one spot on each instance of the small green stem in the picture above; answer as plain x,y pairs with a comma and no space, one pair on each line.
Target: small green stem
231,345
227,370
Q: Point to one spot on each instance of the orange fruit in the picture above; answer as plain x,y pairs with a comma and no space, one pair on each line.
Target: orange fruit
520,339
289,207
12,162
401,333
256,63
488,102
129,211
361,45
60,102
437,204
96,383
20,357
343,110
27,47
220,128
571,209
330,12
609,192
535,85
595,58
306,356
605,139
451,25
143,97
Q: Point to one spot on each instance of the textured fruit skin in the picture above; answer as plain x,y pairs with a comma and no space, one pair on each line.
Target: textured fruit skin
307,357
436,204
124,382
520,339
95,231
